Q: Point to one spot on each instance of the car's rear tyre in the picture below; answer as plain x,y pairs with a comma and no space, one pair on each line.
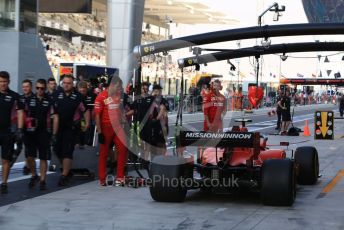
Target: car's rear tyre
307,160
278,186
167,175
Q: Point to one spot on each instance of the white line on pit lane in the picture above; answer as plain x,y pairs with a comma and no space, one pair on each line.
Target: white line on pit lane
297,118
260,113
273,122
268,127
24,177
19,167
257,129
306,117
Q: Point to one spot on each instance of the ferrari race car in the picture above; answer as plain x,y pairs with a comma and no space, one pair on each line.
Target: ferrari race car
231,161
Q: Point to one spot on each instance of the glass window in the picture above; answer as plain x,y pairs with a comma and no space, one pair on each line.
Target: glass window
28,16
7,13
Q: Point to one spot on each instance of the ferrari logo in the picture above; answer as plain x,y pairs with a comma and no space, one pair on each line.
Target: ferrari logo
146,49
108,101
190,61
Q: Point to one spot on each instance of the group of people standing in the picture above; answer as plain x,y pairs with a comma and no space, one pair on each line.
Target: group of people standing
60,117
214,108
115,115
39,119
283,111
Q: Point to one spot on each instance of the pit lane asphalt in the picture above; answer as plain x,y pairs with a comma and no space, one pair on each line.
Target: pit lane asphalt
260,120
90,206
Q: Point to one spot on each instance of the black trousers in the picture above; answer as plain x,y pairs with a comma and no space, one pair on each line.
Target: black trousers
279,119
6,143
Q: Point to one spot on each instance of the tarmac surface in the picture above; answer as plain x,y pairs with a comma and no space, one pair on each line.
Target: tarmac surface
86,205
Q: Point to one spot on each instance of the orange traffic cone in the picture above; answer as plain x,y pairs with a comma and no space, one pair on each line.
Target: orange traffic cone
306,131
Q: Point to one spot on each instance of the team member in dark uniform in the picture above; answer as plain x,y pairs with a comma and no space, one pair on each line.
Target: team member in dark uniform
70,108
341,105
25,97
141,109
51,86
10,108
286,116
51,89
159,122
279,110
27,90
84,136
38,110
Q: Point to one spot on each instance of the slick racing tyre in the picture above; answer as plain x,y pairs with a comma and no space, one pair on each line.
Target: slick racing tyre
166,174
308,164
278,186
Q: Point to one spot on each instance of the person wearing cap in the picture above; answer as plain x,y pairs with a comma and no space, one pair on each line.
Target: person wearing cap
9,102
159,121
110,119
70,108
214,109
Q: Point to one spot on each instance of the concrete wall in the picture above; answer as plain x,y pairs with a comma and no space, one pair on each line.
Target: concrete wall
125,18
23,56
32,58
9,58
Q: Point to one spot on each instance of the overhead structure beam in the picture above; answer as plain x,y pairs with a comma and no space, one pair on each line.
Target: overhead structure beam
310,81
261,50
240,34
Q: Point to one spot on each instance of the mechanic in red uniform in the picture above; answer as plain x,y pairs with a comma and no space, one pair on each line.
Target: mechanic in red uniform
205,90
110,118
214,109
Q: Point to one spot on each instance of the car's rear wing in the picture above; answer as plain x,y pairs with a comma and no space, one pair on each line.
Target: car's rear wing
220,140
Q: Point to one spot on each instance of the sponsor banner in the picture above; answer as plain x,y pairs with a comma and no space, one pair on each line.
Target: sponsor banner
228,139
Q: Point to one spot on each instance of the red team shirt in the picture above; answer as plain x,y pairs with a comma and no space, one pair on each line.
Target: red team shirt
214,106
109,108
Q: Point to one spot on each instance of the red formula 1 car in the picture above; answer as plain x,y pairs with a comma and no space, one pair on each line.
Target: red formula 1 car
236,160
